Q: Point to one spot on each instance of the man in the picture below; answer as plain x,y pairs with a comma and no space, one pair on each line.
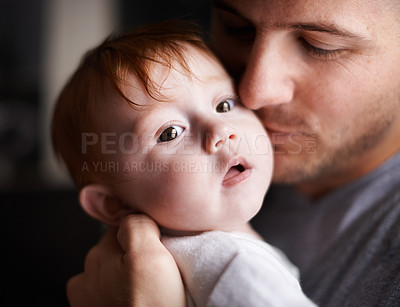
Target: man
324,77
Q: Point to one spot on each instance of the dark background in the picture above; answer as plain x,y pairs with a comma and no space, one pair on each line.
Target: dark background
44,233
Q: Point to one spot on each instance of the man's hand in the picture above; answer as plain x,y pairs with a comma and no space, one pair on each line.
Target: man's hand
136,270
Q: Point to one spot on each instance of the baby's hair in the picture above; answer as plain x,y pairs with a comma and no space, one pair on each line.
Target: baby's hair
102,72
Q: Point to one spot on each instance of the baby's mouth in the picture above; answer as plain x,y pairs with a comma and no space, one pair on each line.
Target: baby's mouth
237,172
234,171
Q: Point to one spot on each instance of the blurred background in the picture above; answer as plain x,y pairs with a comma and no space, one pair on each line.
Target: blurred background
44,233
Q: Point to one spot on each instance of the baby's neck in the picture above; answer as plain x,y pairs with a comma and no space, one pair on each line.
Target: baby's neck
177,233
246,228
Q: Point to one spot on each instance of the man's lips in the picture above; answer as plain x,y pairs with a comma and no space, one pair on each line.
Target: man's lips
281,135
280,131
287,130
238,171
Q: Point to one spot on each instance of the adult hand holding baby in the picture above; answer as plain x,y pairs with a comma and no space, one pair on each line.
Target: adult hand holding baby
124,260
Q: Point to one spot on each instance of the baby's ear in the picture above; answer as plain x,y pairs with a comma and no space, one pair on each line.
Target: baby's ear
101,203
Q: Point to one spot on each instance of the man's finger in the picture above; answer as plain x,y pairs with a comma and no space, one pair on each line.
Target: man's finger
107,249
74,290
136,231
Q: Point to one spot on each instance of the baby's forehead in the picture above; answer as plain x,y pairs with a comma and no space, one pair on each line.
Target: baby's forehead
112,108
158,88
161,80
140,94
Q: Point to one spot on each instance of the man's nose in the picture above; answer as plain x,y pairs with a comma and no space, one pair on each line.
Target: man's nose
269,75
218,135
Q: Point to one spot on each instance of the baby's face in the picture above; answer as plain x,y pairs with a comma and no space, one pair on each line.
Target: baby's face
199,161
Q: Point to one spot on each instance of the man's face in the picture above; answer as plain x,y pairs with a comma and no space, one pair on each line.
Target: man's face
323,76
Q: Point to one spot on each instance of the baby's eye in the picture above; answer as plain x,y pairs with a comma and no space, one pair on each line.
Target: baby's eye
225,106
170,134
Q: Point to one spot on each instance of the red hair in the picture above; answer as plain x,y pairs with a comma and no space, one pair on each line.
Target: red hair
103,69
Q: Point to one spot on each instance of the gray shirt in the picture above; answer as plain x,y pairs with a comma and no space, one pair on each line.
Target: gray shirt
346,244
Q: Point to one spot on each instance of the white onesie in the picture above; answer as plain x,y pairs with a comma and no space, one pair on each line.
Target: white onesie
235,269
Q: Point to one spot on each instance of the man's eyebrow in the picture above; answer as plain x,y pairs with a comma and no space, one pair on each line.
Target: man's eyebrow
328,28
311,27
222,5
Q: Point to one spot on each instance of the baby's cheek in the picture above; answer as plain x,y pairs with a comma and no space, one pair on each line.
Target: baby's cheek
260,144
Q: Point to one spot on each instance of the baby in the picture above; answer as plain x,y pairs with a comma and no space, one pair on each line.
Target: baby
150,123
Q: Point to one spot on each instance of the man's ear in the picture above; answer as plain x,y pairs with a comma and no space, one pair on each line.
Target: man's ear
101,203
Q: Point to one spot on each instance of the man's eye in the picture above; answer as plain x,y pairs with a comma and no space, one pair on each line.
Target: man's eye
170,134
320,53
225,106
